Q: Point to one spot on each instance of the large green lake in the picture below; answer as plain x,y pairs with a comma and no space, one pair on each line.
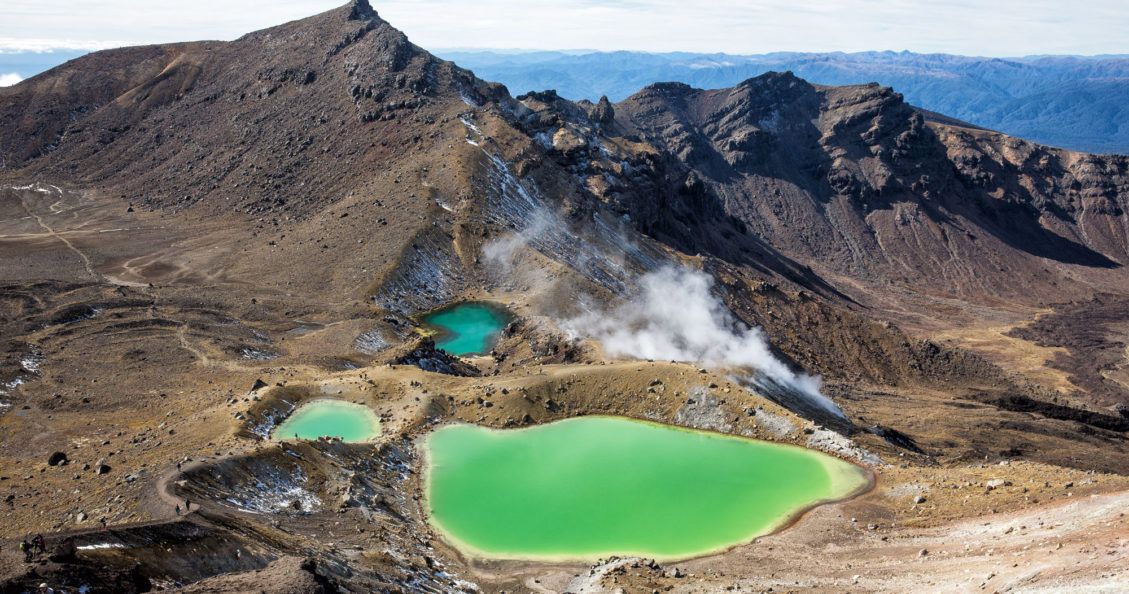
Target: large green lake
467,328
333,418
591,487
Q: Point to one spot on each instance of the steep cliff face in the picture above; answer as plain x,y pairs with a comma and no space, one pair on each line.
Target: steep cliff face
854,182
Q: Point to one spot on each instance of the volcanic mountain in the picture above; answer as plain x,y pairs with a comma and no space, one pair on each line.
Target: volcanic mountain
182,221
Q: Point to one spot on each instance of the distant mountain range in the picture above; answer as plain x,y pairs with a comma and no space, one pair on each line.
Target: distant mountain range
1074,102
1079,103
28,64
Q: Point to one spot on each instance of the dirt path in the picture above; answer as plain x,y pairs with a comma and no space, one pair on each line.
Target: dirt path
163,490
51,231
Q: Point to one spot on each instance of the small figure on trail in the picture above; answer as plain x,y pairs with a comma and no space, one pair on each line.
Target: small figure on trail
187,506
178,466
25,547
40,544
178,509
103,521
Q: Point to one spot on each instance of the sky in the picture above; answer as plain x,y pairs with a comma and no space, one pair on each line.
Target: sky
969,27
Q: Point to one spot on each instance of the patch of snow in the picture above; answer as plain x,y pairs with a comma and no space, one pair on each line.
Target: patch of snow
101,546
30,363
271,421
279,496
29,367
257,354
471,126
427,277
468,100
371,342
603,256
544,139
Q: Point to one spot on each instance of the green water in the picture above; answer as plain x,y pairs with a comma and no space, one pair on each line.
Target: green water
591,487
335,418
467,328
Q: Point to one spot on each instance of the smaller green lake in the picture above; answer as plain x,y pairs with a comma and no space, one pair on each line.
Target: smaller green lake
467,328
330,418
589,487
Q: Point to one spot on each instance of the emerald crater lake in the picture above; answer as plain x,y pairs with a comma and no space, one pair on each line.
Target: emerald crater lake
330,418
591,487
467,328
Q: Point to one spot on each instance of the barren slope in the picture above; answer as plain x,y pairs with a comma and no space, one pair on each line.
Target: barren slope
180,221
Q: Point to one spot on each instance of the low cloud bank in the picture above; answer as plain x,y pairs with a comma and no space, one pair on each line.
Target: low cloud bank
674,316
9,79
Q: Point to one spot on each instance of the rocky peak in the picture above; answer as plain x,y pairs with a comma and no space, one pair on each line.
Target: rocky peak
360,10
773,79
603,112
668,89
548,96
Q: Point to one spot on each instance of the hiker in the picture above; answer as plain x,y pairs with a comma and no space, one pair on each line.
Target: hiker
178,509
40,544
25,547
178,466
103,521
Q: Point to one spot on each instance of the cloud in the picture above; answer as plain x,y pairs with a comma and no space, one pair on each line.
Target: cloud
9,79
674,316
1000,28
36,25
35,45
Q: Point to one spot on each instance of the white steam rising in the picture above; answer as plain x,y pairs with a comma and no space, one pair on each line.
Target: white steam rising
675,317
502,252
504,261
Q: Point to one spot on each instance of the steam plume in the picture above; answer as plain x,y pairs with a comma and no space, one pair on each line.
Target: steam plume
675,317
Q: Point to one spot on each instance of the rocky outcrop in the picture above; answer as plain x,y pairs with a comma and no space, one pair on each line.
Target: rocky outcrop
423,354
856,182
